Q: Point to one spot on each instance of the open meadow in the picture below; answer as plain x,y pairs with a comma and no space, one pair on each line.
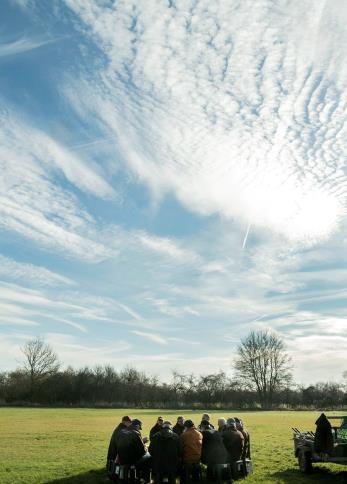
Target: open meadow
68,446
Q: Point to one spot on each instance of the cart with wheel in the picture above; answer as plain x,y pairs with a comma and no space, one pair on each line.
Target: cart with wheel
305,445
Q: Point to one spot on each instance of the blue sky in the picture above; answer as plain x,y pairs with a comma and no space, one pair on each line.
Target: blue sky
173,175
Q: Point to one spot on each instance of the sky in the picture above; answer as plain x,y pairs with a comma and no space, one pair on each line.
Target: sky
172,177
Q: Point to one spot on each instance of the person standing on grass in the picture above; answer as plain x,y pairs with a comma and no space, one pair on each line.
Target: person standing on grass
112,448
222,423
246,454
156,428
206,417
165,450
233,441
179,426
213,449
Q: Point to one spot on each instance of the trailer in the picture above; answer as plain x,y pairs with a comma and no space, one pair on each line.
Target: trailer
305,445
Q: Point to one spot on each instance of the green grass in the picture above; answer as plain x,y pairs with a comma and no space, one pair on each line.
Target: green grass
68,446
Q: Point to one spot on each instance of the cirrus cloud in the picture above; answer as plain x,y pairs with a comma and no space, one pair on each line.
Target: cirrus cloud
236,108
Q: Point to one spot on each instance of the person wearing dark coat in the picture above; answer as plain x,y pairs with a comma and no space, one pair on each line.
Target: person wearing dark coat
178,428
246,454
165,451
156,428
233,441
112,448
213,450
132,450
323,439
205,417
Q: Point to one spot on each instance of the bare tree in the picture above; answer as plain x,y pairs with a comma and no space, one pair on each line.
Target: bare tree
263,364
344,376
40,361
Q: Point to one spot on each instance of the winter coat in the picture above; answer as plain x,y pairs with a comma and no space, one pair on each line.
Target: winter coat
178,429
191,445
165,451
246,453
213,449
323,439
112,448
234,442
130,446
200,427
155,429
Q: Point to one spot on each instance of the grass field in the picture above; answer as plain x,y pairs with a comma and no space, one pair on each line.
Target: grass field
68,446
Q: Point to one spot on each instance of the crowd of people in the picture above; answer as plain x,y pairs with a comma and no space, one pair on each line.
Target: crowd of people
177,450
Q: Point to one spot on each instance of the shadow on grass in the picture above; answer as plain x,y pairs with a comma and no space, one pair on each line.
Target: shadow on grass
318,475
91,477
97,476
288,476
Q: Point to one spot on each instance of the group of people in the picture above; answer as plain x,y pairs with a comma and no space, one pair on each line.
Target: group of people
173,450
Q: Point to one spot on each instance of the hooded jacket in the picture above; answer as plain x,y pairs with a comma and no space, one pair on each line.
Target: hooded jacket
323,439
165,451
191,444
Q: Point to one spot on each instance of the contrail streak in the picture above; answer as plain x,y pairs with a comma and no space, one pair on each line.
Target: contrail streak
246,237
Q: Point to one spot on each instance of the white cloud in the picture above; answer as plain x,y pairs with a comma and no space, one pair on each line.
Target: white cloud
130,311
22,45
227,105
31,273
165,246
23,306
156,338
318,357
170,308
68,345
34,205
44,155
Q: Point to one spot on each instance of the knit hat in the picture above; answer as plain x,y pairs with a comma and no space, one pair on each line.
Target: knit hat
189,424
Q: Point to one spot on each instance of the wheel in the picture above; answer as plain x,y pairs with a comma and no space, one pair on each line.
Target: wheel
305,461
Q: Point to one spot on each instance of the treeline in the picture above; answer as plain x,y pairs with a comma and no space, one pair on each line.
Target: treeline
103,386
262,379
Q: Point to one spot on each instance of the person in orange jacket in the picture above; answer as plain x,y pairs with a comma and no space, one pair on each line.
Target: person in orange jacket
191,444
